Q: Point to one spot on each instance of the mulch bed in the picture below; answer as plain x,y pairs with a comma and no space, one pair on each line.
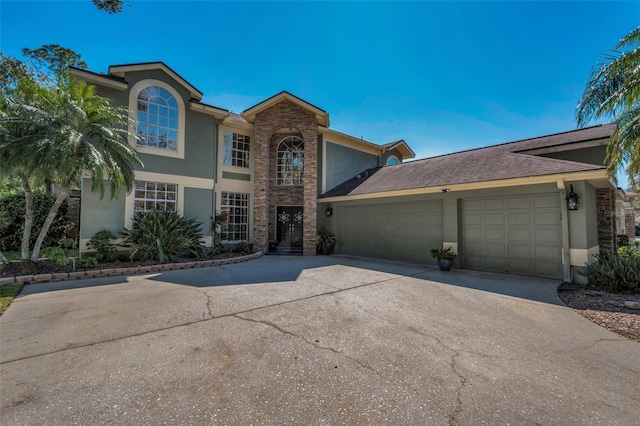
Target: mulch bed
605,309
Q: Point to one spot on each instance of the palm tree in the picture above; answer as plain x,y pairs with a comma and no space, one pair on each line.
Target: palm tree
83,133
93,138
613,91
23,122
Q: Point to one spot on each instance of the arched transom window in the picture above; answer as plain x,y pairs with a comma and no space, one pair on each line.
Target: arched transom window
290,161
157,119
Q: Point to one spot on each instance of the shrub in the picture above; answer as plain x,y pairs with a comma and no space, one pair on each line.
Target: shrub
101,243
89,261
617,272
12,221
622,240
244,247
163,236
57,254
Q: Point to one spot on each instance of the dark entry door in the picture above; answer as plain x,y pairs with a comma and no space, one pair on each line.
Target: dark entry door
289,221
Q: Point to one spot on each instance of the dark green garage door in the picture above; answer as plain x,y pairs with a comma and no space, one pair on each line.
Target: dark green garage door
405,231
518,234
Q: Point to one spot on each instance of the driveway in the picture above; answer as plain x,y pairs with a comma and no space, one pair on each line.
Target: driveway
311,340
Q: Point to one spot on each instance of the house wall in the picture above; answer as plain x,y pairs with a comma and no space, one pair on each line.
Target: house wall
592,155
97,215
194,174
343,163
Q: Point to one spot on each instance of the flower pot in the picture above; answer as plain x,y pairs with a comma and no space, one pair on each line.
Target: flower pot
445,263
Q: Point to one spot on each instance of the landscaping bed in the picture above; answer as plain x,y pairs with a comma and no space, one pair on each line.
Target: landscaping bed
605,309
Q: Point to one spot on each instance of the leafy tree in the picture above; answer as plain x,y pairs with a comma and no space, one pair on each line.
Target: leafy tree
53,60
56,132
613,91
110,6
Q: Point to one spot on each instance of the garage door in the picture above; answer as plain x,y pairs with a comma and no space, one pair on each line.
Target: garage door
405,231
516,234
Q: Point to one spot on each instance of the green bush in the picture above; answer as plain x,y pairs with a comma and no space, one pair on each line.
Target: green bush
89,261
163,236
101,243
622,240
617,272
12,221
57,254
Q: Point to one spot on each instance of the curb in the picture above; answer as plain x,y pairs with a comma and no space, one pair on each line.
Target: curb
96,273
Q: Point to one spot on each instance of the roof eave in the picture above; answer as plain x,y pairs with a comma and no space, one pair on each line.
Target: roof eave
322,117
120,70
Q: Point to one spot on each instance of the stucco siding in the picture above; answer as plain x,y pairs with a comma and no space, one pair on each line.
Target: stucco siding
100,214
198,204
593,155
343,163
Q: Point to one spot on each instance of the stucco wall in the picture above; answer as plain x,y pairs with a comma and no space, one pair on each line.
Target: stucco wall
97,215
593,155
343,163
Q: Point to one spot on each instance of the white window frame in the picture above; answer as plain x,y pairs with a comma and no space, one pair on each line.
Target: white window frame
133,114
182,182
155,199
229,217
235,154
392,157
280,164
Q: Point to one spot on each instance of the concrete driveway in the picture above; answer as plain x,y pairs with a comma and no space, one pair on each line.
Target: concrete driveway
321,340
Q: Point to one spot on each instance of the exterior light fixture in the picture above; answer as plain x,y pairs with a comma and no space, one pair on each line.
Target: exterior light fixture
572,200
444,191
329,211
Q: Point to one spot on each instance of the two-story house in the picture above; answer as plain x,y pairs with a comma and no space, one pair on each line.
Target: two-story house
280,173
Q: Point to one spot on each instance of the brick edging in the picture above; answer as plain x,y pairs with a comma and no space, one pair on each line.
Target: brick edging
109,272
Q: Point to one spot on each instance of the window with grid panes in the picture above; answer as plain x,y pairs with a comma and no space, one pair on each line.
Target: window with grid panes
234,207
154,196
235,149
290,162
157,117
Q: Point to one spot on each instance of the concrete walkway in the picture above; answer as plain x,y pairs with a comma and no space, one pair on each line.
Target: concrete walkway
320,340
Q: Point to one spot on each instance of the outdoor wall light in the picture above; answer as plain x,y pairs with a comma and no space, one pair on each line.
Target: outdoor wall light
329,211
444,191
572,200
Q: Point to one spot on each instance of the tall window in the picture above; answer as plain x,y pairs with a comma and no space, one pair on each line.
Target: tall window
154,196
235,209
235,149
157,116
290,170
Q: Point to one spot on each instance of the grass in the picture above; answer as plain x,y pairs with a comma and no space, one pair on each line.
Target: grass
8,292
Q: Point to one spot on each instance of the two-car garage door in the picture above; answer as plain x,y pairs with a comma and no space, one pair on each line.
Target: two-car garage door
405,230
519,234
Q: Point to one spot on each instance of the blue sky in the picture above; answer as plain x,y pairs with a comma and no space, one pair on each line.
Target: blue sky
444,76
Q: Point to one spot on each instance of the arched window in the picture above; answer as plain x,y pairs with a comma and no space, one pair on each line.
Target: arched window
392,160
157,115
290,170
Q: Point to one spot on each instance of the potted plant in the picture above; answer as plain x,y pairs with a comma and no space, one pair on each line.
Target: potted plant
325,242
445,258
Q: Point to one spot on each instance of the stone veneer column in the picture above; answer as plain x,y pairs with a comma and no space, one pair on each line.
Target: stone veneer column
630,223
260,185
606,203
285,115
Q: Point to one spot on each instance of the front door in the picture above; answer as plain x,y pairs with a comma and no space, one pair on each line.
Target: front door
289,227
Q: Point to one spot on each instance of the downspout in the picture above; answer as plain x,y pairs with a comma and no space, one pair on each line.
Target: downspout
564,221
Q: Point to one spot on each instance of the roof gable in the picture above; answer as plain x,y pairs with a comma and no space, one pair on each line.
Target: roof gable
322,117
120,70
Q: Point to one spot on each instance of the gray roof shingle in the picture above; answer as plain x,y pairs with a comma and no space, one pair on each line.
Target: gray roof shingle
505,161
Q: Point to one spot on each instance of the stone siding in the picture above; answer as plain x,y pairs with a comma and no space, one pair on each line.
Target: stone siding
267,195
606,203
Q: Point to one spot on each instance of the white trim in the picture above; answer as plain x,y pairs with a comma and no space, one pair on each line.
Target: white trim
580,257
99,80
120,70
133,108
322,117
218,113
350,141
181,181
